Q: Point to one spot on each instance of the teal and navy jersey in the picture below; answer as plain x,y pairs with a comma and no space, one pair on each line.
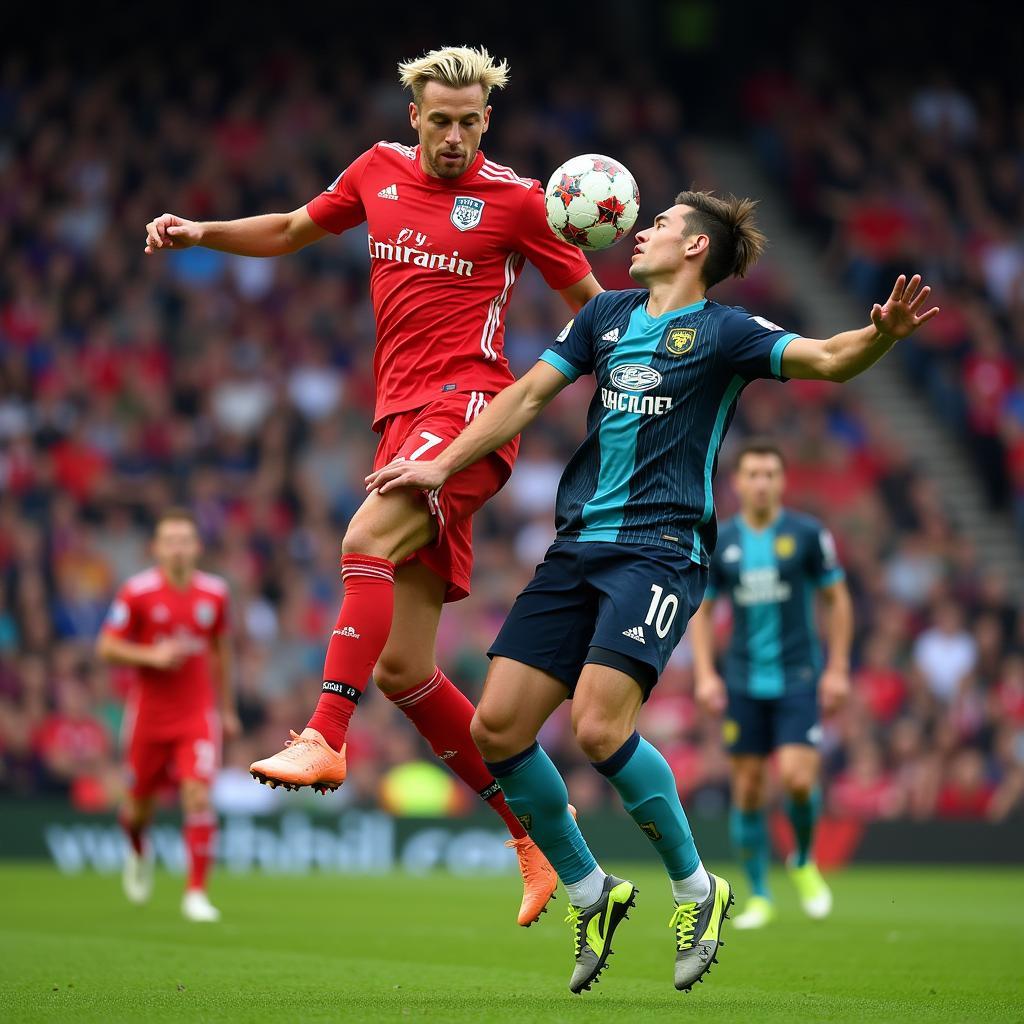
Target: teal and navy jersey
771,577
667,390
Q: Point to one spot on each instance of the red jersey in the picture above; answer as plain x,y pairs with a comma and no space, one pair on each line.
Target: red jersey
148,609
445,254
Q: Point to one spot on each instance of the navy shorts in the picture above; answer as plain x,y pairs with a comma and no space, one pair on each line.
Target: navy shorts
759,725
596,602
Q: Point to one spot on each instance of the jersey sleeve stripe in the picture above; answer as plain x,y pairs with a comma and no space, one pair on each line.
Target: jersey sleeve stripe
494,170
141,583
832,576
563,366
407,151
778,348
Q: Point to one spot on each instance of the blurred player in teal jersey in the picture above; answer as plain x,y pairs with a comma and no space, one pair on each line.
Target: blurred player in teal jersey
770,564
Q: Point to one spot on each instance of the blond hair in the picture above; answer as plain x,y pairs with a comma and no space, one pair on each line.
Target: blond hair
456,67
735,244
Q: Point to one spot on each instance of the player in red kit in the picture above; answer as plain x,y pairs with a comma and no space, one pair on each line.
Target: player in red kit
448,234
171,624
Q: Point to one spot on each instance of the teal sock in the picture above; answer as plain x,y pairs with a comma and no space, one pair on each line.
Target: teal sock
803,817
648,790
749,833
538,798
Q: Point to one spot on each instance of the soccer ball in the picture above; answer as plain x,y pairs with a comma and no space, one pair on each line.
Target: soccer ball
591,201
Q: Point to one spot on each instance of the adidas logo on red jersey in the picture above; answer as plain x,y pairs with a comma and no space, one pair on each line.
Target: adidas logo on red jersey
389,192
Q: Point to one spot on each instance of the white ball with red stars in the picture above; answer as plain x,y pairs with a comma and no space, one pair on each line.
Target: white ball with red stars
591,201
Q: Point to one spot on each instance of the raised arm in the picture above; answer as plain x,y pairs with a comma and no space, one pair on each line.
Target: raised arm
509,412
272,234
845,355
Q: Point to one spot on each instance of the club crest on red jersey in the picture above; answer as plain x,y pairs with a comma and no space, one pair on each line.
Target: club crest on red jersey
204,613
466,212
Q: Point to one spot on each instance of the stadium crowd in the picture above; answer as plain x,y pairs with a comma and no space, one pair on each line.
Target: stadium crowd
242,389
931,175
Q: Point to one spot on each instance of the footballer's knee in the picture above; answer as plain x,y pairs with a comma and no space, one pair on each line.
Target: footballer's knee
799,785
137,811
362,538
748,786
390,526
598,736
195,797
495,736
393,675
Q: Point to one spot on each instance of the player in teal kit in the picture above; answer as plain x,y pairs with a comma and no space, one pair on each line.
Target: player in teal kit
771,563
635,527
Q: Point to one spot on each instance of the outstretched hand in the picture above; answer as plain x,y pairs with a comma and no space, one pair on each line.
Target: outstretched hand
169,231
427,476
901,316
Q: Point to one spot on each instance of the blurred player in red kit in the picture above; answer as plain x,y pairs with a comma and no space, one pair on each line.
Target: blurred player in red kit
449,232
170,623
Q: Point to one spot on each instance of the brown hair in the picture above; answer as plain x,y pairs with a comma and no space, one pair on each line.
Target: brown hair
175,514
758,446
735,240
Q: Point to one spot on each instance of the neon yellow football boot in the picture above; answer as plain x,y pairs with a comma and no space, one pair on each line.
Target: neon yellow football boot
815,895
593,927
698,931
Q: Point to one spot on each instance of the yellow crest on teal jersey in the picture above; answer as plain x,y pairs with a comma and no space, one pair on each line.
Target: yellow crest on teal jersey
785,545
680,340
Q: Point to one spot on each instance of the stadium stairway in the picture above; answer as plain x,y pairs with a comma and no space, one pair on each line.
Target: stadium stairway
830,309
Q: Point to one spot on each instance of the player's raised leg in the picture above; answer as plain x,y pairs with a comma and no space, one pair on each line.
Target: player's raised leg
605,708
408,675
748,829
799,767
384,531
200,835
517,700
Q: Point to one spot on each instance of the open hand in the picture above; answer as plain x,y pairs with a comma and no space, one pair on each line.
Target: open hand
426,476
171,232
833,690
710,694
901,316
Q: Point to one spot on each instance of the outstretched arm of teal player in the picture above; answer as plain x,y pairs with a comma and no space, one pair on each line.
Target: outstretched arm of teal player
845,355
509,412
834,685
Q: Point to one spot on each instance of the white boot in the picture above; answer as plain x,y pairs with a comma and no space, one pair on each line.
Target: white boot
196,906
137,875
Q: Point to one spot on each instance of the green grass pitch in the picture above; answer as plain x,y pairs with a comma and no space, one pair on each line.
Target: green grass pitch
902,945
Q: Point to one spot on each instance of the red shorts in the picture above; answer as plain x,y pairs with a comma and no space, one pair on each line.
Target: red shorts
156,761
423,434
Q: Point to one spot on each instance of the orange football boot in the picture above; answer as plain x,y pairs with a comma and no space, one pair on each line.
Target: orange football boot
307,760
539,878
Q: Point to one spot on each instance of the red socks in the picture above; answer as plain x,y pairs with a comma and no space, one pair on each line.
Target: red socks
134,834
442,713
199,832
359,636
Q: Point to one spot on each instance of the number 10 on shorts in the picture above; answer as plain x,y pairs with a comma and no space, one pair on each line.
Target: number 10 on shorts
662,611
